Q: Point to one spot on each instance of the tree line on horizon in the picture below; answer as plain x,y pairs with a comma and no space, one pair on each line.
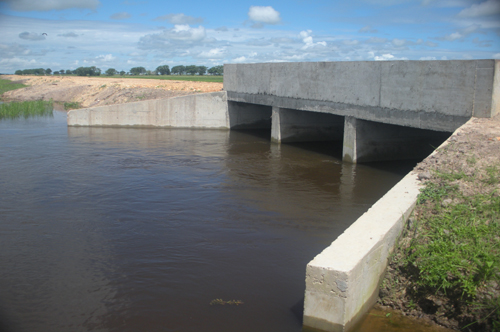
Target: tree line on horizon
135,71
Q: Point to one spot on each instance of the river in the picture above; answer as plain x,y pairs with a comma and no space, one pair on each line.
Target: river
121,229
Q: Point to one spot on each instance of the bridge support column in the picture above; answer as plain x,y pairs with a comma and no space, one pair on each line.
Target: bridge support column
366,141
289,125
249,116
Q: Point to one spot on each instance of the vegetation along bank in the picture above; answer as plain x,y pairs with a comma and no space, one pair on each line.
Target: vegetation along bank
446,267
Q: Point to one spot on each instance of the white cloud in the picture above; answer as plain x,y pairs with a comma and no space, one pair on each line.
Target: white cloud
179,19
487,8
265,15
384,57
120,16
240,59
427,58
215,53
46,5
31,36
496,56
107,57
308,40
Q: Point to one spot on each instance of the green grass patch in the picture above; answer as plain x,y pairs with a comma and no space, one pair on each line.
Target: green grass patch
7,85
194,78
26,109
72,105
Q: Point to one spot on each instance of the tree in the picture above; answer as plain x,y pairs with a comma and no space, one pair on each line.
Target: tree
191,70
56,73
111,72
216,70
48,71
61,71
68,72
163,70
202,70
18,72
87,71
122,73
178,70
138,71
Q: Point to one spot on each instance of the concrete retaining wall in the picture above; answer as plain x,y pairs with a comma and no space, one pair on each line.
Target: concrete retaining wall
436,95
208,110
342,282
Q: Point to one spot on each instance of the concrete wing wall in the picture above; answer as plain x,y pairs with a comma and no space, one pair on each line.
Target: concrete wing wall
208,110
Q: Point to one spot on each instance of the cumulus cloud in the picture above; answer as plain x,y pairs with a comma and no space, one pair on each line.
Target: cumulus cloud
308,40
120,16
105,57
398,42
264,15
46,5
68,35
487,8
384,57
425,58
215,53
31,36
179,19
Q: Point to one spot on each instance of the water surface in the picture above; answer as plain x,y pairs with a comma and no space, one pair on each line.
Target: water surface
120,229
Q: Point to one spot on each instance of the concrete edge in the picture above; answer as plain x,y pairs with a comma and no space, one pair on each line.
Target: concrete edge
342,282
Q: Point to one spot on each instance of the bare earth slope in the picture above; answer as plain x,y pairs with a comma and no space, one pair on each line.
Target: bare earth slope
97,91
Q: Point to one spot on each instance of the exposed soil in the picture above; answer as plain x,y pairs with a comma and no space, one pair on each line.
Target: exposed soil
97,91
471,149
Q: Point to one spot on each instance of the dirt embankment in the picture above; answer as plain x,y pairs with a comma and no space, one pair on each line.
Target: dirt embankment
474,148
98,91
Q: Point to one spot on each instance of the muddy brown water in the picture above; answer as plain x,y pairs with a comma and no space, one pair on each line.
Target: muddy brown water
116,229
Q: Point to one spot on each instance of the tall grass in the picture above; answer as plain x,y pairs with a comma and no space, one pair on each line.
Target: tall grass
26,109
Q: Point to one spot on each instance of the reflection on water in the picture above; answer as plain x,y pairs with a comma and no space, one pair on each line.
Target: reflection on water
114,229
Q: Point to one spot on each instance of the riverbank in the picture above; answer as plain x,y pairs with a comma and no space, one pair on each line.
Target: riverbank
446,268
99,91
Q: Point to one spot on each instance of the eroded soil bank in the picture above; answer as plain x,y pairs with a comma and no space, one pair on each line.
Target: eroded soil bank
469,166
98,91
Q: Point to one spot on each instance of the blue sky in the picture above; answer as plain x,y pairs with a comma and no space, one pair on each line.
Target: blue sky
121,34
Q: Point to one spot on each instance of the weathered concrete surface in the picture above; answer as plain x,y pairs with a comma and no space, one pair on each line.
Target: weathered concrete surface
208,110
436,95
342,282
290,125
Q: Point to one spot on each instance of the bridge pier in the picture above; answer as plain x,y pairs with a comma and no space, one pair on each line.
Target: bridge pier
290,125
366,141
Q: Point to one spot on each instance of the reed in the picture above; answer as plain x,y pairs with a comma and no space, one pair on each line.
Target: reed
26,109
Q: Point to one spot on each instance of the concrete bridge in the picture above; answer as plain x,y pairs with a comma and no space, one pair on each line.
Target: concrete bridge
381,110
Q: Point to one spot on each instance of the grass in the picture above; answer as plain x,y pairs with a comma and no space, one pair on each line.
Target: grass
456,252
26,109
72,105
7,85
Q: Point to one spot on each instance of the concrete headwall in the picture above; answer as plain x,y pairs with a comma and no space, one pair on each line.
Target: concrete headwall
436,95
208,110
